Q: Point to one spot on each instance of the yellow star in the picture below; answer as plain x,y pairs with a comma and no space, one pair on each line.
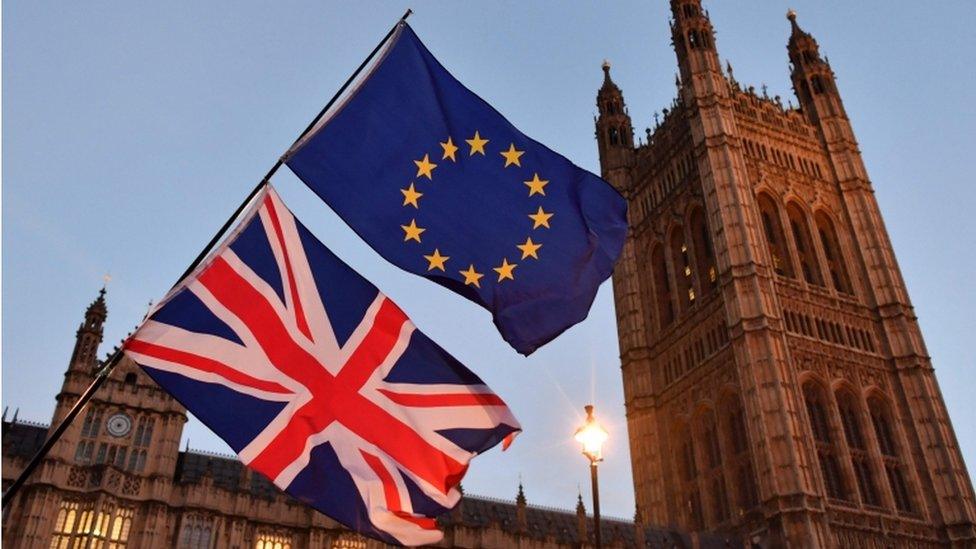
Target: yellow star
512,156
541,218
471,276
410,196
436,260
412,231
477,144
536,186
529,249
425,167
505,271
449,149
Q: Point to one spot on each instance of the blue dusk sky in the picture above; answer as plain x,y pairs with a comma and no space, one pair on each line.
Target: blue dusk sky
132,129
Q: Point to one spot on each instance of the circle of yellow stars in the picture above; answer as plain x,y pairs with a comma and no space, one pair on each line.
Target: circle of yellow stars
436,259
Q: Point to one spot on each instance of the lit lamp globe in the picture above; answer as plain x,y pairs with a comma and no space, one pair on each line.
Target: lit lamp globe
592,435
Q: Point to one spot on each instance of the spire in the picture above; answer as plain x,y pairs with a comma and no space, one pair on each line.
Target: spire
581,519
607,81
795,30
521,516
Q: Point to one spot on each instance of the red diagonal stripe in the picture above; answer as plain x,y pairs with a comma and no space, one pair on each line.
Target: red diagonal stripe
443,400
392,495
375,346
296,302
204,364
243,300
289,444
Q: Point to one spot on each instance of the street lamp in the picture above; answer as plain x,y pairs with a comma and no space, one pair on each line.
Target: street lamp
592,436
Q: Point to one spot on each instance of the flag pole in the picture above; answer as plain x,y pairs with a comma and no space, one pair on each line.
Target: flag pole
109,364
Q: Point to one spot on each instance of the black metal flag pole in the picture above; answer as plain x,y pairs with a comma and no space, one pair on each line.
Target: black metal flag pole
102,374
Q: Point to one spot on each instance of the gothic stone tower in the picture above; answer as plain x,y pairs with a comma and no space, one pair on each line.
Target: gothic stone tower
775,377
110,475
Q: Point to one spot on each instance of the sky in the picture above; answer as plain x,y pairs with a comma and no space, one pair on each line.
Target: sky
131,130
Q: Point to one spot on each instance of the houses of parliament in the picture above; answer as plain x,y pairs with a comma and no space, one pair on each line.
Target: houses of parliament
777,387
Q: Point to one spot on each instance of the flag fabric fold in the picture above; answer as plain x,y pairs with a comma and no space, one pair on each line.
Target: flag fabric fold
320,382
442,185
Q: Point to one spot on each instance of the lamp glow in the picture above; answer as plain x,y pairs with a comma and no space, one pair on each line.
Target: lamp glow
592,435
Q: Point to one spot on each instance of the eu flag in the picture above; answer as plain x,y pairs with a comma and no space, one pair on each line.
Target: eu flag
442,185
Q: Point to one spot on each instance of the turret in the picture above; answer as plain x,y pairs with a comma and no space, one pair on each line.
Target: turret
614,133
581,519
693,39
89,335
521,516
813,80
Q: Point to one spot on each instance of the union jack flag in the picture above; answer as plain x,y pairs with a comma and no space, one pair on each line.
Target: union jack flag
320,382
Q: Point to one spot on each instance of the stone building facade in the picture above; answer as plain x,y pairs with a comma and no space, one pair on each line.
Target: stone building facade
776,381
118,479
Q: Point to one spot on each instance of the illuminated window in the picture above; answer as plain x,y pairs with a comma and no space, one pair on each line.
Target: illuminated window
79,525
704,255
273,541
681,260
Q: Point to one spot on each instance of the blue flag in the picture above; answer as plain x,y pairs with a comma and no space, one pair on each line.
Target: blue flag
442,185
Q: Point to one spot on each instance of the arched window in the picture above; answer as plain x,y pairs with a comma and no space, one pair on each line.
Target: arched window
739,463
832,251
130,378
804,245
662,288
681,260
687,468
196,533
614,136
816,403
705,256
775,239
890,454
850,416
712,471
693,39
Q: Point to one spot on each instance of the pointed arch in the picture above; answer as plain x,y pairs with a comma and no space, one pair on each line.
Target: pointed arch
739,464
769,214
683,272
712,471
806,254
662,287
701,239
686,466
891,453
849,410
817,405
836,265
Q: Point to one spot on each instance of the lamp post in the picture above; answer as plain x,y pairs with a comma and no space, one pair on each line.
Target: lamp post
592,436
